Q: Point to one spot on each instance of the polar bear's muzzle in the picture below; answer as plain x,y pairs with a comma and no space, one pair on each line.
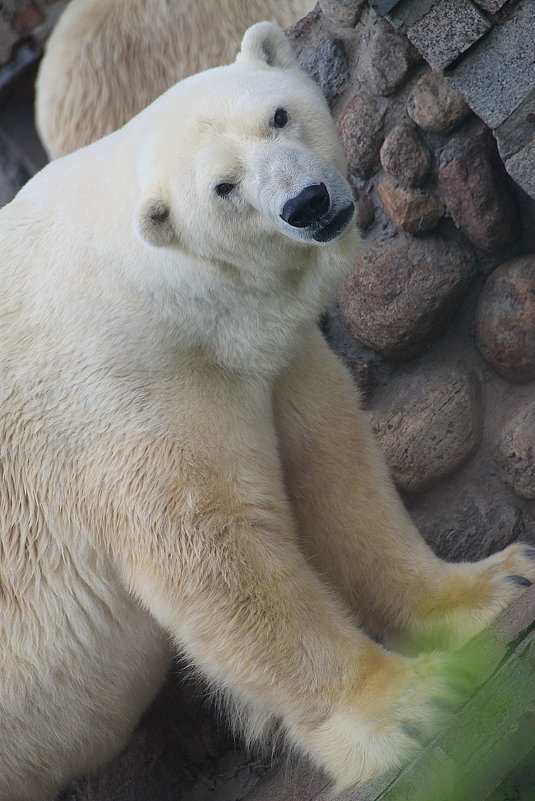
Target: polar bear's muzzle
299,190
312,208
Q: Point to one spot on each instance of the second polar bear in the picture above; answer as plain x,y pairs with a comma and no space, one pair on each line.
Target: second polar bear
108,59
183,459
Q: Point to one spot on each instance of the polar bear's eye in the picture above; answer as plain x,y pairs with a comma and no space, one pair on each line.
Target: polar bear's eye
224,189
281,118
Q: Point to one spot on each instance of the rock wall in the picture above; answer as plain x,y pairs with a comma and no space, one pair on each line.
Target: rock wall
437,320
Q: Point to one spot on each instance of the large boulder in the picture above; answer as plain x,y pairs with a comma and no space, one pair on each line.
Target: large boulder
403,291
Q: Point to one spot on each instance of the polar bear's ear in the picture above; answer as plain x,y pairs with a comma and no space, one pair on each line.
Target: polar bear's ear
267,43
152,221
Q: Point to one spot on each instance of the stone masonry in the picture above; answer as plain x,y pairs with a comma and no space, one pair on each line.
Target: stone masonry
437,319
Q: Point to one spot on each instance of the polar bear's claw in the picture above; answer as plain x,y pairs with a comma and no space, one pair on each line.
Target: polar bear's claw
520,581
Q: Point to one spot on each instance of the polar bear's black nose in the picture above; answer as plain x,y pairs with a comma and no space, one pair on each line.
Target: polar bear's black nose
307,207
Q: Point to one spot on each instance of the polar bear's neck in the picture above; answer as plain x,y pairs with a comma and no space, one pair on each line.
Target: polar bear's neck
244,326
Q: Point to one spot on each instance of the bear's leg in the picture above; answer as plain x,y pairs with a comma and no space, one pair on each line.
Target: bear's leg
206,541
353,525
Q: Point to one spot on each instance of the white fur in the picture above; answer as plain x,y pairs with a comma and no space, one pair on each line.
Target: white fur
106,60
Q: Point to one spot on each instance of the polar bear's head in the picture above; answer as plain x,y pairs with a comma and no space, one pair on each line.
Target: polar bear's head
238,157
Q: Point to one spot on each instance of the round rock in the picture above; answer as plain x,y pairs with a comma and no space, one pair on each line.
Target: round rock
404,156
428,424
435,106
361,129
410,209
469,523
403,291
385,59
475,188
505,320
327,65
516,452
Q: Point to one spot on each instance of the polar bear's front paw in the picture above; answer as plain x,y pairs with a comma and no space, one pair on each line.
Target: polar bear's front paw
387,720
496,582
469,596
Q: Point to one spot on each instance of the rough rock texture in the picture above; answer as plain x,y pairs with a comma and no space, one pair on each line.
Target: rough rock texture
404,155
299,32
462,527
411,210
365,213
344,13
403,291
472,512
464,23
473,183
492,6
516,452
497,75
428,423
360,126
327,64
505,320
520,168
385,60
435,106
518,129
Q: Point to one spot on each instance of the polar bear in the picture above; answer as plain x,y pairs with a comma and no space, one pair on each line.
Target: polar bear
108,59
184,460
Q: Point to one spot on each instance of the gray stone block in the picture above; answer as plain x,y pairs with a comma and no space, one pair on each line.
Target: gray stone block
498,75
447,31
406,13
491,6
521,168
382,7
518,130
